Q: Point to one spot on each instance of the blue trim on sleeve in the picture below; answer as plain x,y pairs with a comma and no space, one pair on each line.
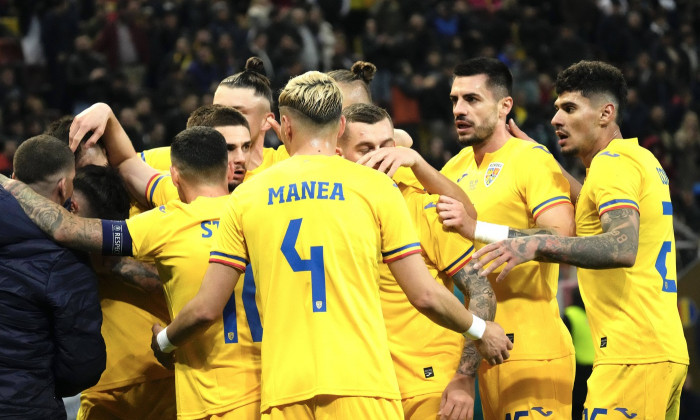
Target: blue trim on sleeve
153,188
386,254
621,201
116,239
561,197
459,259
233,257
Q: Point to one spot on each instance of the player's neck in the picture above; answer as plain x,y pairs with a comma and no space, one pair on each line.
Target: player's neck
189,193
492,144
603,140
318,145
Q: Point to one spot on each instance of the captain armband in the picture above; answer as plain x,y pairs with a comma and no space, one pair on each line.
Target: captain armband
116,239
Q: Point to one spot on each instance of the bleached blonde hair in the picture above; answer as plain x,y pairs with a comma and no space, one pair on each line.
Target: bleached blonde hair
315,96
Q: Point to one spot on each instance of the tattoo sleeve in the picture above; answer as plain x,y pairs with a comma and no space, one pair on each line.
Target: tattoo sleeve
138,273
517,233
616,247
482,302
64,227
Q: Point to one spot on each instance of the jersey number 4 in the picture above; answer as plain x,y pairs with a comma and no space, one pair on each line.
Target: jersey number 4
314,265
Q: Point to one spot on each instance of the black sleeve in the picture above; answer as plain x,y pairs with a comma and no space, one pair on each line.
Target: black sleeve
80,356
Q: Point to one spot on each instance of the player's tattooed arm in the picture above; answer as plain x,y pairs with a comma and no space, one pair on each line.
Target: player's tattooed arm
138,273
482,302
65,228
518,233
615,247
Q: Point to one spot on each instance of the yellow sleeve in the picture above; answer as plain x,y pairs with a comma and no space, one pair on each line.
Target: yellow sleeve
399,238
542,181
229,244
617,182
144,244
158,158
160,190
446,250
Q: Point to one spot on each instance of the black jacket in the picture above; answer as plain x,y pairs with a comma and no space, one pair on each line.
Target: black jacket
50,319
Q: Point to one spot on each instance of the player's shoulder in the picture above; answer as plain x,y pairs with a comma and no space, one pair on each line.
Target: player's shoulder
536,150
622,152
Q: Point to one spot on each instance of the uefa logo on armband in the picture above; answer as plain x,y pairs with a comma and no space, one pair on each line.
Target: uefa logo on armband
492,172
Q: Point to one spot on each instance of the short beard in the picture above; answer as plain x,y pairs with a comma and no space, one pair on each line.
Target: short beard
570,151
481,133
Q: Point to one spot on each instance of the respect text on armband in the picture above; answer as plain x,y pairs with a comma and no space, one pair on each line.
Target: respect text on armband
307,190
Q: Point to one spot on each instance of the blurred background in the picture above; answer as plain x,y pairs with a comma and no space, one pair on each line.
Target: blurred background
156,61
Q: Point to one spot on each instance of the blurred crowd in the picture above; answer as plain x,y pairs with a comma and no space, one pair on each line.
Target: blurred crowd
156,61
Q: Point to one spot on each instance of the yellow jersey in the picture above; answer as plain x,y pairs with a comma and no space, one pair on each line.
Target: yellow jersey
632,311
157,158
314,234
426,355
220,369
270,157
127,316
512,187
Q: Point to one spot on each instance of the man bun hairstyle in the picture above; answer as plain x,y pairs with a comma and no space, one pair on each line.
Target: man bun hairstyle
361,71
593,78
252,77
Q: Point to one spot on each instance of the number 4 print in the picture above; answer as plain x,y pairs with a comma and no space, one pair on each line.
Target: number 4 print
314,265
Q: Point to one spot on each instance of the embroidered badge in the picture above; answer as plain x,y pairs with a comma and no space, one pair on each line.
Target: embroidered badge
492,172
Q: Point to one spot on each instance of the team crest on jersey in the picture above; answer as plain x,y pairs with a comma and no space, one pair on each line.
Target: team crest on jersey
492,172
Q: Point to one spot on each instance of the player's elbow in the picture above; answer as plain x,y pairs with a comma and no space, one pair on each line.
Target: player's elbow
426,301
205,315
627,259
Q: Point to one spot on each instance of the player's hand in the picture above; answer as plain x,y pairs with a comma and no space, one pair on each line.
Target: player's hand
515,131
275,126
458,398
165,359
454,216
511,252
92,119
494,345
389,159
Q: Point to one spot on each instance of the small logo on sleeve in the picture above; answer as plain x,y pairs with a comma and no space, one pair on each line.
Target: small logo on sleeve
428,372
603,342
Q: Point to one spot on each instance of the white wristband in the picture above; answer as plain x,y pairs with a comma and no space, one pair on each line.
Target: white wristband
164,343
476,331
489,232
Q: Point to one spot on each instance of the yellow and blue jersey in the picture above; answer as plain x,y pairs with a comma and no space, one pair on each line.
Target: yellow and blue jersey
157,158
632,311
426,355
513,186
314,234
220,369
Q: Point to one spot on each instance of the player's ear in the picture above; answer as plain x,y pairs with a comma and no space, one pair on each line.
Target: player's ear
13,175
506,106
341,127
74,206
175,175
339,151
607,114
